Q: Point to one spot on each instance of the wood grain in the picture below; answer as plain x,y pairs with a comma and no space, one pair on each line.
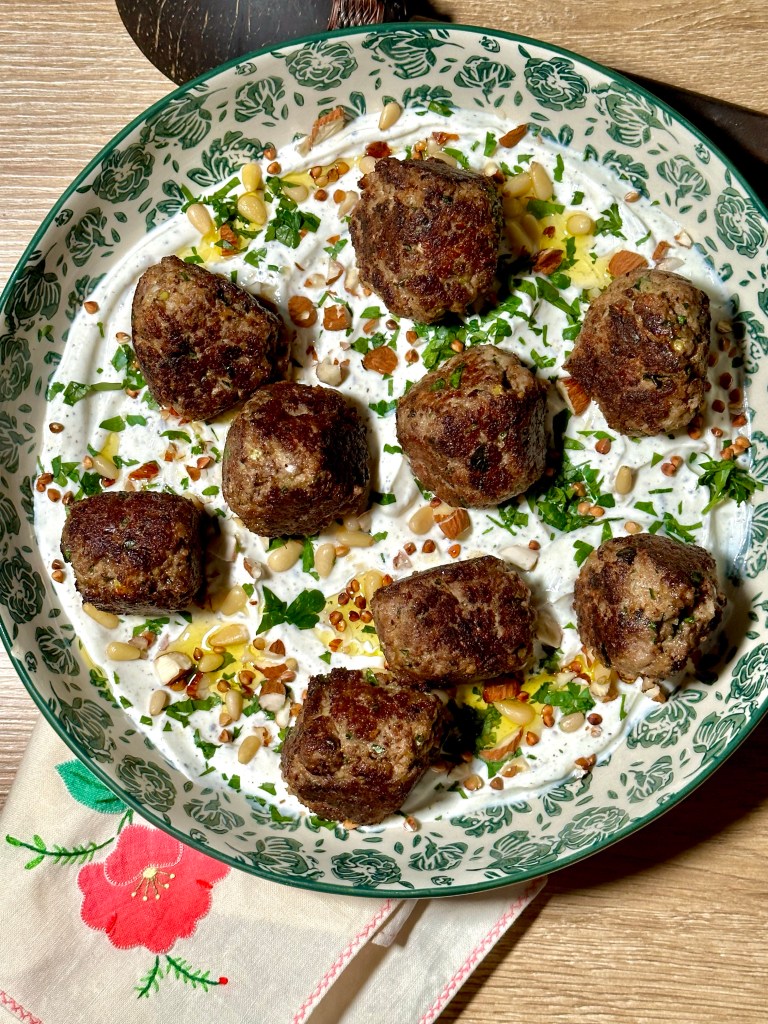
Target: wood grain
671,925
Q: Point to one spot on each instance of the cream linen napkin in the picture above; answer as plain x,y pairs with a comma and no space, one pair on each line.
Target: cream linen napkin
105,918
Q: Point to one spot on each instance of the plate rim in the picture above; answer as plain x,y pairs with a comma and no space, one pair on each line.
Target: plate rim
486,884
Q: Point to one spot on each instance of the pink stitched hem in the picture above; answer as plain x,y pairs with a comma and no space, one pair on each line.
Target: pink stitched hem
487,942
340,963
17,1009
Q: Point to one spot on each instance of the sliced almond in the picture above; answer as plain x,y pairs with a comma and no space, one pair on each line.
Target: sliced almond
501,691
329,372
335,270
382,359
547,261
302,311
504,750
323,128
336,317
624,261
660,251
272,695
513,136
457,523
145,472
521,555
170,667
576,398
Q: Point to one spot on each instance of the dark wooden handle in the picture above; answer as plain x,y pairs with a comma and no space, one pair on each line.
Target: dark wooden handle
345,13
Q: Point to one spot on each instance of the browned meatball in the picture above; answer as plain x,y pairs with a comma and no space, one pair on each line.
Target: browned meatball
459,622
426,236
645,604
135,552
360,744
296,458
474,429
203,343
642,352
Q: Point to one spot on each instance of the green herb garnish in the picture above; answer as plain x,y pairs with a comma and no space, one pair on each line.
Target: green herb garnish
726,479
302,612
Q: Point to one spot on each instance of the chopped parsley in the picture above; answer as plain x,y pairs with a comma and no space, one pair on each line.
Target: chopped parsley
288,221
510,518
674,528
571,698
302,612
181,710
383,498
609,222
558,505
581,551
726,479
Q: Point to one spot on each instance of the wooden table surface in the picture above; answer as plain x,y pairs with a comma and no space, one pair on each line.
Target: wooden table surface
672,924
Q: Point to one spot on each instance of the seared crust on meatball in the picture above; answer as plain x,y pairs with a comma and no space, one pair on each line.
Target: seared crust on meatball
296,458
474,429
459,622
642,352
360,744
426,236
203,343
135,552
645,604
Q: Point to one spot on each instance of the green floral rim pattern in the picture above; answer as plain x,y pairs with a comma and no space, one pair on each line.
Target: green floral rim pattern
200,134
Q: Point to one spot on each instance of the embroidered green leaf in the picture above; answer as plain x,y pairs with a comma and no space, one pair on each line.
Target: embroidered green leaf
87,789
150,982
59,854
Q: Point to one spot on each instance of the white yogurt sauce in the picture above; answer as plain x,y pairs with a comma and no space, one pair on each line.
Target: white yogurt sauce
287,272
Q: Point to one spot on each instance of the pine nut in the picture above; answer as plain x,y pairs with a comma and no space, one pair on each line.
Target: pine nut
118,651
632,527
518,185
579,224
285,557
251,177
105,467
516,711
570,723
199,218
389,115
348,203
541,181
248,749
351,523
235,601
422,520
370,582
517,238
210,662
325,558
624,481
298,192
228,636
105,619
354,539
530,228
252,208
234,704
158,702
473,782
367,164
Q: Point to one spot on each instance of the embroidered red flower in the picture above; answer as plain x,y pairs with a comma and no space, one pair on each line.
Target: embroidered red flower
150,891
